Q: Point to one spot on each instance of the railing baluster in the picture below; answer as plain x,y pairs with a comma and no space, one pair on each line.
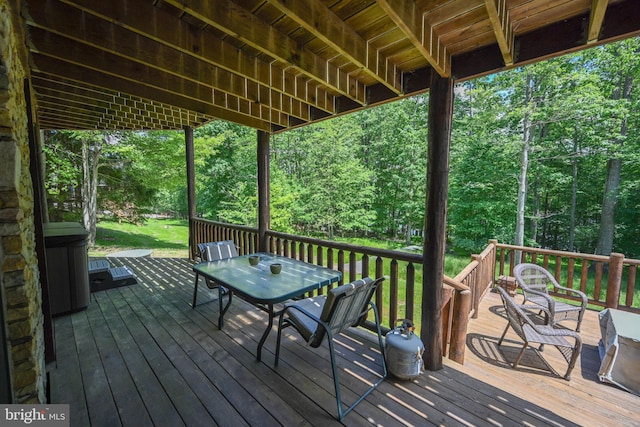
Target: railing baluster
411,294
380,290
353,266
365,266
393,289
597,288
631,282
584,275
341,263
570,270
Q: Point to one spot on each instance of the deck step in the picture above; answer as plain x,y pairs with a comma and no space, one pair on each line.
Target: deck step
102,276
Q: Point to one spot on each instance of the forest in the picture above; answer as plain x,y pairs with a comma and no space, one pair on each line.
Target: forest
546,155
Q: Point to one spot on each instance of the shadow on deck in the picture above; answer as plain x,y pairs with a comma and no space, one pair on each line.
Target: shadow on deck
140,355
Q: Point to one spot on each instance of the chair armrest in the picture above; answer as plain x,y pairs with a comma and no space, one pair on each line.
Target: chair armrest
557,332
303,311
580,294
550,301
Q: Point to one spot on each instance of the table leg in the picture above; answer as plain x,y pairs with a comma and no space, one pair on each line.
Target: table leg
223,310
195,292
266,332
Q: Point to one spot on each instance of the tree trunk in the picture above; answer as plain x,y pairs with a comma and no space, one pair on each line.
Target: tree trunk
535,214
607,223
524,166
574,195
612,183
90,158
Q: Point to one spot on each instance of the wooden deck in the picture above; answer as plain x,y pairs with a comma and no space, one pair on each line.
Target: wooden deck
140,355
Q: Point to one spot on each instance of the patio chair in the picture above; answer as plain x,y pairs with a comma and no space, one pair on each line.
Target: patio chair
345,306
532,333
213,251
534,282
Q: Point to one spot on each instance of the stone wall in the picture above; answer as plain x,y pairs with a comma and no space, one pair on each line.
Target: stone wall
19,279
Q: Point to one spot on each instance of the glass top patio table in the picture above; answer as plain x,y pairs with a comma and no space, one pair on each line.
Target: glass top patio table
256,283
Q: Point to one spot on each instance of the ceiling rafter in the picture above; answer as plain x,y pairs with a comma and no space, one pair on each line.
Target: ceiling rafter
320,21
278,64
64,100
155,24
78,72
502,27
109,37
248,28
414,25
598,9
117,67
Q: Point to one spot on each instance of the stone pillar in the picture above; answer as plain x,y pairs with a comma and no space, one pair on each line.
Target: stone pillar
19,280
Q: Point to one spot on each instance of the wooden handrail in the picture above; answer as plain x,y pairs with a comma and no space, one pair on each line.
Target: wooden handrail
587,270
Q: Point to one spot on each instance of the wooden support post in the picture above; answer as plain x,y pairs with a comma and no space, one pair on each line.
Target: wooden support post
439,138
614,282
462,304
264,215
191,187
40,216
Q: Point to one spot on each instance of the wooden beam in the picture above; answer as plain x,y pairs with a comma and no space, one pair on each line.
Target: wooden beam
596,17
191,186
152,22
415,26
439,139
240,23
73,71
107,36
264,204
502,27
319,20
107,62
110,65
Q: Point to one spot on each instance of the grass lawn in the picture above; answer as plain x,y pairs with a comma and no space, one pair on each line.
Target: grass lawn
167,238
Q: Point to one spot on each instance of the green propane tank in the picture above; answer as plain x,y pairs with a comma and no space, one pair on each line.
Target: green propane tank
403,351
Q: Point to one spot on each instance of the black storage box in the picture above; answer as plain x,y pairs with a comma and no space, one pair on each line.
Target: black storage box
67,266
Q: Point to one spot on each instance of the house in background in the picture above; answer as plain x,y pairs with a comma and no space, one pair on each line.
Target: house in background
270,65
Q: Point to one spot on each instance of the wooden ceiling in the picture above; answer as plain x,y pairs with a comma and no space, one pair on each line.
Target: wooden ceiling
277,64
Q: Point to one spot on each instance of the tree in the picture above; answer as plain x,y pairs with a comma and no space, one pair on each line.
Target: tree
621,78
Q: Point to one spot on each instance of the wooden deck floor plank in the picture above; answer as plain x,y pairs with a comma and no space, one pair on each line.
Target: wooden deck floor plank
100,403
205,397
65,375
152,325
263,394
183,332
123,389
153,395
570,397
241,363
178,390
310,371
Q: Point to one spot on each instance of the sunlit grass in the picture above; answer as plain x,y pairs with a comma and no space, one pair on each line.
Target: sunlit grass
167,238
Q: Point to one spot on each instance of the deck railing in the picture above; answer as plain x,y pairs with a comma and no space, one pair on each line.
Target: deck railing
608,281
400,298
397,297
